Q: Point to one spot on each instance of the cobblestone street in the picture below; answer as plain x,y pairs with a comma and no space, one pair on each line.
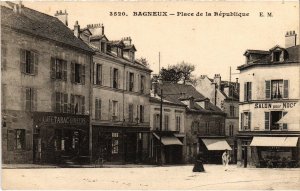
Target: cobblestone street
166,177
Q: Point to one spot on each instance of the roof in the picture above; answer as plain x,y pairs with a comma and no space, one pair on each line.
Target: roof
41,25
98,37
249,51
291,56
130,47
174,94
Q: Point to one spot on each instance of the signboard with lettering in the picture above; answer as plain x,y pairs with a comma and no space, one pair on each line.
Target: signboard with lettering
280,105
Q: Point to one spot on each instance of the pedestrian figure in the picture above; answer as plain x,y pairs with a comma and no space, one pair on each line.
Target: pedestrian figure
225,159
198,166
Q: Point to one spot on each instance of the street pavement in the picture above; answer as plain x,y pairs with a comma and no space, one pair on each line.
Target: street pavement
153,178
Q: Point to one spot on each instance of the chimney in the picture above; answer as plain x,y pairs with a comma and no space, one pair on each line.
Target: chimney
62,16
77,29
18,7
217,80
290,39
96,29
127,41
191,102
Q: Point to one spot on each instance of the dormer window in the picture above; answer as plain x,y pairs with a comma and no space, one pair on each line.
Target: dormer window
276,56
103,47
119,52
131,56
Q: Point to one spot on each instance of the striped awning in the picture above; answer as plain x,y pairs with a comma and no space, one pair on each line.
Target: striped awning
216,144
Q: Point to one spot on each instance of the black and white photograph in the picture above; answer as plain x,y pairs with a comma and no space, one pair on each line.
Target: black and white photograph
150,95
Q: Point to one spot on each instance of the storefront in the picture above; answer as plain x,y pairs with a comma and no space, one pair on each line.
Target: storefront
60,138
213,148
120,144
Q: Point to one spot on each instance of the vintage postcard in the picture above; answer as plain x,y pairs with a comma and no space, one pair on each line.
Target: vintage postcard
150,95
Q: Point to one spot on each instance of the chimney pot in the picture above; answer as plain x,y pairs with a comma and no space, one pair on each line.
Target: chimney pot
290,39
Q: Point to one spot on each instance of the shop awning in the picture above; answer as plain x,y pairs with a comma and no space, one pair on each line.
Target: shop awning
169,140
216,144
292,117
274,141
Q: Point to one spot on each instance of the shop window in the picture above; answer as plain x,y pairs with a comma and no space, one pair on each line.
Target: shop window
271,119
131,81
30,99
28,61
247,91
142,114
245,121
77,73
58,69
98,104
97,74
20,139
142,88
166,122
115,143
178,123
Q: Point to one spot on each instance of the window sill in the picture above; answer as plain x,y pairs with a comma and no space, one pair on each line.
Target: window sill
28,74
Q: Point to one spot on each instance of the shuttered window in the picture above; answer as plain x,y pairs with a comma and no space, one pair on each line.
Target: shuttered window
246,121
142,88
130,112
284,125
97,74
131,81
285,89
267,120
30,99
142,114
178,123
20,139
98,109
268,89
28,62
61,102
77,73
115,78
242,121
247,91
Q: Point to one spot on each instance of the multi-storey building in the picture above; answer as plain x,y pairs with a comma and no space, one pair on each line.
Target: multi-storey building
225,95
203,123
45,88
120,102
170,138
269,90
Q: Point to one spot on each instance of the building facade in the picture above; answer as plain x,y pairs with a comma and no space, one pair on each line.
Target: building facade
269,90
45,89
225,95
120,103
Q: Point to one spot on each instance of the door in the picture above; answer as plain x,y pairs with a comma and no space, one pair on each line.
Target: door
245,156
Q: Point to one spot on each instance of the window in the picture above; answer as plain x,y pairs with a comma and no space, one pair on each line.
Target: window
130,112
77,73
178,123
115,78
28,61
277,89
271,119
232,111
120,52
77,104
115,143
142,88
131,81
142,114
97,74
230,130
98,108
207,127
247,91
245,121
166,122
61,102
20,139
276,56
30,99
156,121
103,47
58,69
131,56
115,110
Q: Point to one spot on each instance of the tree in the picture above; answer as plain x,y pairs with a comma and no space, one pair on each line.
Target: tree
144,61
179,72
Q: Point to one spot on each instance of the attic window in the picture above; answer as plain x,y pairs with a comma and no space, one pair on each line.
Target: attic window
103,47
120,52
131,55
276,56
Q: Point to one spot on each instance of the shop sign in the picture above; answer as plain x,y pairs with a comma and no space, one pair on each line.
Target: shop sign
53,119
282,105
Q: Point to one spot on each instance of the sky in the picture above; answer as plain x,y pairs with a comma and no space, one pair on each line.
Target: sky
212,43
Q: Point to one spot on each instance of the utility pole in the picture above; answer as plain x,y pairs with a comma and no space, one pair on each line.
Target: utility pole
160,127
158,62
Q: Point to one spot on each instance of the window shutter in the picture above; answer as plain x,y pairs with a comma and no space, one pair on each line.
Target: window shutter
99,108
65,103
249,120
268,89
138,83
57,102
82,74
96,108
22,60
267,120
245,91
118,79
11,140
72,102
53,100
109,110
154,122
52,68
28,99
284,125
83,105
36,63
119,111
242,121
250,91
285,88
31,62
72,72
95,73
28,140
34,99
65,69
127,81
111,77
